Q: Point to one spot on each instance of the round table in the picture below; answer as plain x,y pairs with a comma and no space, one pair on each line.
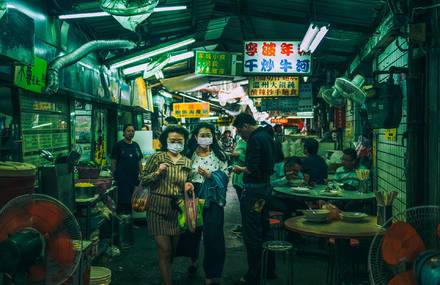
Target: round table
316,193
334,229
341,231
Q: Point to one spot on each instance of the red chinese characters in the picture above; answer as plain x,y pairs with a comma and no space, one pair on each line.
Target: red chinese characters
251,49
286,49
269,49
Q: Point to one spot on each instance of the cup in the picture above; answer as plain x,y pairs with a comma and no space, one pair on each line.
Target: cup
384,213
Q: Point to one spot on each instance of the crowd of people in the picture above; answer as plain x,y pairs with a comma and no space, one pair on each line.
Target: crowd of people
202,163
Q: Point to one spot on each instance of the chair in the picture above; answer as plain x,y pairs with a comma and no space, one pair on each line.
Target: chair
277,247
277,228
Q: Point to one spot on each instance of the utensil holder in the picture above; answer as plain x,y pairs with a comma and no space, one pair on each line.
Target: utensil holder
363,186
384,213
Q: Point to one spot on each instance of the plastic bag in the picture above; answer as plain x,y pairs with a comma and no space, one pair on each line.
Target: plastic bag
195,219
139,200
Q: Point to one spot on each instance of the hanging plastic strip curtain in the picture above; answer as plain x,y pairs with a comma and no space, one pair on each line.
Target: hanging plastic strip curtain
129,13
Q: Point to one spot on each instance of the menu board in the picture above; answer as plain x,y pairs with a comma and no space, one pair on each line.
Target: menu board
273,86
276,57
191,110
219,63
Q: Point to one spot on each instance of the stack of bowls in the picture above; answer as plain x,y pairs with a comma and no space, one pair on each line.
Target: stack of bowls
100,275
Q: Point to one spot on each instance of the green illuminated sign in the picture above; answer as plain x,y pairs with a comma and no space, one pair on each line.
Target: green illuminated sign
31,77
219,63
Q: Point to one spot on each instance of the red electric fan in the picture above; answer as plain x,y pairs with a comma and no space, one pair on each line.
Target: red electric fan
40,240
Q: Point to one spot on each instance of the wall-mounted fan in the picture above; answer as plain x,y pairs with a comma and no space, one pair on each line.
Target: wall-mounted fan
129,13
39,239
344,89
332,97
351,90
407,251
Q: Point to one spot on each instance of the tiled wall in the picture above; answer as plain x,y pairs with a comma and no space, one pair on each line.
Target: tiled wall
390,154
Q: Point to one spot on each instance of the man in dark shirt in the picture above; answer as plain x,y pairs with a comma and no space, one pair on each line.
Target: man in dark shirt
314,166
126,166
259,163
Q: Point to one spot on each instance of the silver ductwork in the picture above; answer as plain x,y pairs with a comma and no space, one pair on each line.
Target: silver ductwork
52,79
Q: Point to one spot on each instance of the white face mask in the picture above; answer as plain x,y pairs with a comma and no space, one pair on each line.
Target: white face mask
204,142
175,147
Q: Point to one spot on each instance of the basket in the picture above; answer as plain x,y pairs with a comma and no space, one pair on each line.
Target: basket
100,275
88,172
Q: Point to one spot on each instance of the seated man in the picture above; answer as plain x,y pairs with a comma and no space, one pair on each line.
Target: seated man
287,171
346,173
314,166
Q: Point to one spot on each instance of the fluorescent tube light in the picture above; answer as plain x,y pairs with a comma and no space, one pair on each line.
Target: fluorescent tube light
182,56
148,54
173,59
83,15
105,14
26,10
169,8
318,38
308,38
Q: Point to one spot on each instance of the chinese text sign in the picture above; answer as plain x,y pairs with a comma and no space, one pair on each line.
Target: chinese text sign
276,57
191,110
219,63
273,86
31,77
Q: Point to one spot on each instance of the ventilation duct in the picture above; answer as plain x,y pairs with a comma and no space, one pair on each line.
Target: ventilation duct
129,13
61,62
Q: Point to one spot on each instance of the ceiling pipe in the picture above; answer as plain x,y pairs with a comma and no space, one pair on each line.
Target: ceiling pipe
52,79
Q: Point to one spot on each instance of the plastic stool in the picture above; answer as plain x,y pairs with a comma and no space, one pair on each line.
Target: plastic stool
277,228
277,246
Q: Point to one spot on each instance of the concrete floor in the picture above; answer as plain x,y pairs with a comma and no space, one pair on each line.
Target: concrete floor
139,264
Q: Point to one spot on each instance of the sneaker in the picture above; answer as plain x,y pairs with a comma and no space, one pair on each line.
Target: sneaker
237,229
192,270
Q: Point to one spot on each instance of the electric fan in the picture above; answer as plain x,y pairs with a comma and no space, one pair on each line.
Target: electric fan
129,13
351,89
332,97
39,239
407,251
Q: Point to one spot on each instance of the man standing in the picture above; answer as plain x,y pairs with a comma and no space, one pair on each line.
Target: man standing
314,166
259,164
126,166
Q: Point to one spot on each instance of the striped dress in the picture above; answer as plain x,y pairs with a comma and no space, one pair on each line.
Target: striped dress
165,190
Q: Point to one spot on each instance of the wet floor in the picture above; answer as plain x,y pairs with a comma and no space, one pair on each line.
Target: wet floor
139,265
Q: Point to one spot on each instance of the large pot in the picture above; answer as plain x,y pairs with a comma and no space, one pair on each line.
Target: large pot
84,190
16,179
88,172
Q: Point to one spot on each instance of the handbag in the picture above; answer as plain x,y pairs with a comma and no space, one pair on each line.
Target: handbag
140,198
190,215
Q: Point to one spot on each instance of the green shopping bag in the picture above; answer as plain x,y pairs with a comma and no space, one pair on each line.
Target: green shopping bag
182,220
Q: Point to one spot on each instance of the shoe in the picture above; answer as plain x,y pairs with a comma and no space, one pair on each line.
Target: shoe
243,281
237,229
192,270
271,276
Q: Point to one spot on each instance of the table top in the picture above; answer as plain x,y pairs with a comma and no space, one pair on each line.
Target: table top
334,229
316,193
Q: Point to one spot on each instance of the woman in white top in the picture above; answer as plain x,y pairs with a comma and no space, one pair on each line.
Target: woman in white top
210,178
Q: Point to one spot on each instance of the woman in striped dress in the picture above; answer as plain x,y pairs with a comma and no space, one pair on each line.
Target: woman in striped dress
167,173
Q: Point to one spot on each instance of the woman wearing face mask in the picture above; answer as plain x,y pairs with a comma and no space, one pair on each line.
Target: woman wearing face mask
167,174
210,179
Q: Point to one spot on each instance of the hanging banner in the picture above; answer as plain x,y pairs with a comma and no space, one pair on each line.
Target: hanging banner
191,110
219,63
31,77
339,118
276,57
273,86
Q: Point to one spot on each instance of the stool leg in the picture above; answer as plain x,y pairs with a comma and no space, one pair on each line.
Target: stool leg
289,267
263,273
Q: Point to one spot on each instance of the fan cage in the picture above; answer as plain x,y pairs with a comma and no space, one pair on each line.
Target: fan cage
128,8
55,273
349,90
424,219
